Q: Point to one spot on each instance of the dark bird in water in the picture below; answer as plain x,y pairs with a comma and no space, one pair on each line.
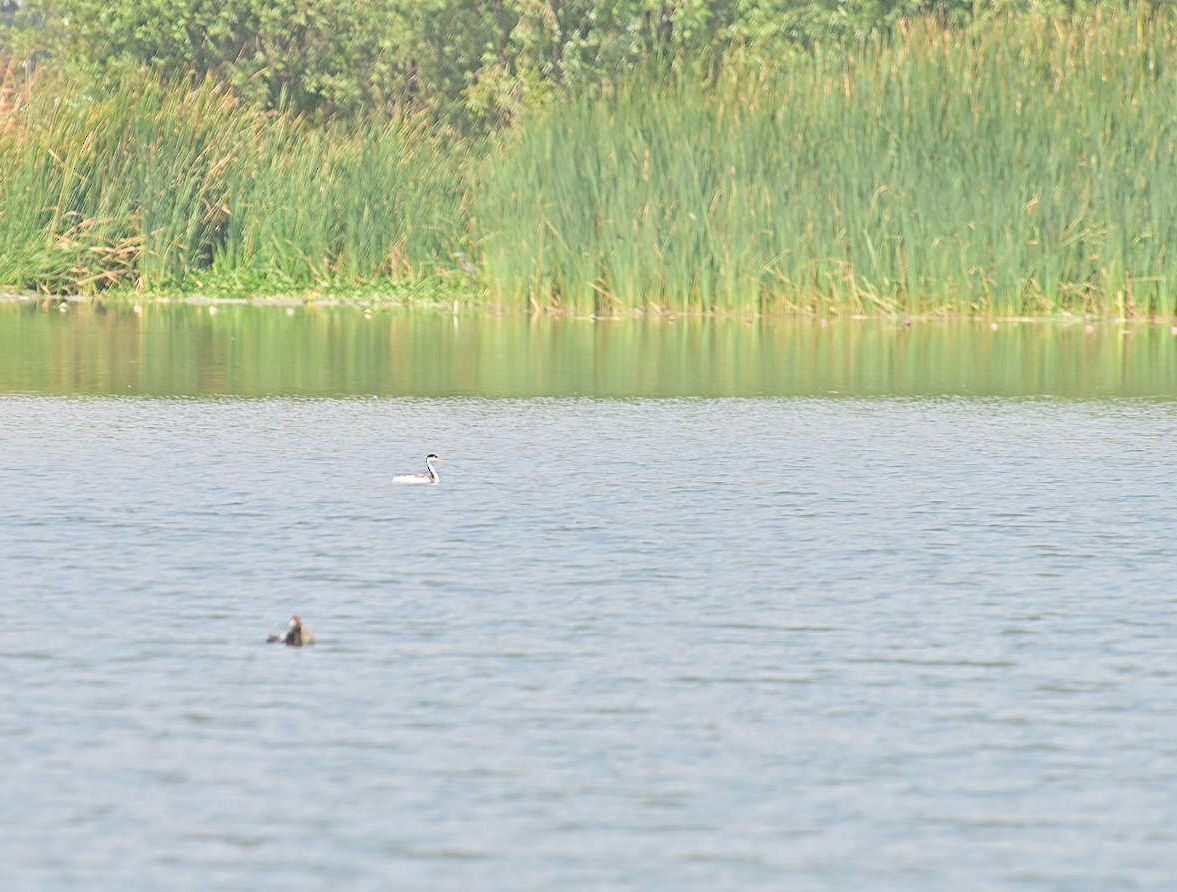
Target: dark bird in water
296,634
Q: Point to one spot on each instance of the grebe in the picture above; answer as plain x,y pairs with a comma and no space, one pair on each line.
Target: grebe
430,475
296,634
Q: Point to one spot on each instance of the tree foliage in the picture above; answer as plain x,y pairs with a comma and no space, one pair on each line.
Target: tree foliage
479,63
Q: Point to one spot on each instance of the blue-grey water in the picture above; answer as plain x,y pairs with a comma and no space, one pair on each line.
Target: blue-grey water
682,644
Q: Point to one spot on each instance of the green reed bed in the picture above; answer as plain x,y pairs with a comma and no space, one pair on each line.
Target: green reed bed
109,191
153,187
1026,166
323,206
1030,166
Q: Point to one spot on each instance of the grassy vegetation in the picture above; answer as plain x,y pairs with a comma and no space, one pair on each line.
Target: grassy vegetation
163,188
1029,166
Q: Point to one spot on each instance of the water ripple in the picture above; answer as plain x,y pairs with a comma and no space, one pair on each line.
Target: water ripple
694,644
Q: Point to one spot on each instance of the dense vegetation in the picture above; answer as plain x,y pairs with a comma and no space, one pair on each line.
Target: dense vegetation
690,155
475,63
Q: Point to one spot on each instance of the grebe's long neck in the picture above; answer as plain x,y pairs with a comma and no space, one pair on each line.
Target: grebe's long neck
434,477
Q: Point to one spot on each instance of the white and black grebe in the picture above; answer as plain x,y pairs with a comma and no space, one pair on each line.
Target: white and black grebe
297,635
430,475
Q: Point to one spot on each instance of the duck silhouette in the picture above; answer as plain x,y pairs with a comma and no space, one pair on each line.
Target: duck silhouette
296,634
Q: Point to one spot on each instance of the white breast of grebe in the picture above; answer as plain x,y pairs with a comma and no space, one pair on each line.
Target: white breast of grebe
413,478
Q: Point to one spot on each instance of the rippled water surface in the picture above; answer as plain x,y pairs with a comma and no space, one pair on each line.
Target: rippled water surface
802,643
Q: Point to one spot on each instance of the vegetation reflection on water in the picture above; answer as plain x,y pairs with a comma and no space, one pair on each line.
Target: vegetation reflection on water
242,349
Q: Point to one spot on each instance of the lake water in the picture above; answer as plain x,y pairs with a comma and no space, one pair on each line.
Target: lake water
192,350
803,641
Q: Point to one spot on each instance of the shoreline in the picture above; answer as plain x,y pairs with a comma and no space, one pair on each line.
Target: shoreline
459,307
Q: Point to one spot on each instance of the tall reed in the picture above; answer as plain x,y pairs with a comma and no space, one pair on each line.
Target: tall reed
1027,166
104,191
158,186
320,205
